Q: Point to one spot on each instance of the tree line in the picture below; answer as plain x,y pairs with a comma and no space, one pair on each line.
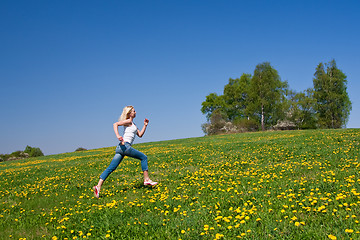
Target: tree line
28,152
262,101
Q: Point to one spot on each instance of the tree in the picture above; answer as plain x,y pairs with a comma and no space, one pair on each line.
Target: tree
33,152
302,109
266,95
332,101
212,102
232,103
236,96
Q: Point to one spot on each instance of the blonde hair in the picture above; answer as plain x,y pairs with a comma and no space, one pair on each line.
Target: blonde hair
125,113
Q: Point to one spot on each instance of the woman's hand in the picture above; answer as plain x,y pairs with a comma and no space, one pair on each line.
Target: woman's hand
116,130
121,140
146,121
141,133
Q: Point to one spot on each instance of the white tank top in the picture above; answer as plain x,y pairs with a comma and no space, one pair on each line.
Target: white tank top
129,133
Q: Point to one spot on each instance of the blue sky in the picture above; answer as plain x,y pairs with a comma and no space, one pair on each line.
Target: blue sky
67,68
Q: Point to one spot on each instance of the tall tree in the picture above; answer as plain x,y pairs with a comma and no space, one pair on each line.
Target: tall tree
267,95
330,92
236,96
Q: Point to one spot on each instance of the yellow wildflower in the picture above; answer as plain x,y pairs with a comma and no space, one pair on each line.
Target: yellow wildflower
332,237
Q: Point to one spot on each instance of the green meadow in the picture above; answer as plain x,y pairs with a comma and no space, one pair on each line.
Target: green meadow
263,185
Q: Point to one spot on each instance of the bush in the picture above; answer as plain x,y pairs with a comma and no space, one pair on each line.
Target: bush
216,124
16,154
246,125
33,152
284,125
13,156
80,149
28,152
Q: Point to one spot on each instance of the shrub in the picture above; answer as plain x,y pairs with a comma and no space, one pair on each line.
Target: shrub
284,125
28,152
246,125
216,124
33,152
16,154
80,149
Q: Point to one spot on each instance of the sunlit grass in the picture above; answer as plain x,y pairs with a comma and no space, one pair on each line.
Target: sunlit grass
289,185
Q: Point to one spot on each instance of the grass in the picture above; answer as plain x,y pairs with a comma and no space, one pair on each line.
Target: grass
271,185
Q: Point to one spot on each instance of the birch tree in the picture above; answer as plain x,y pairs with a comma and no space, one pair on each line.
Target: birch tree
330,92
267,95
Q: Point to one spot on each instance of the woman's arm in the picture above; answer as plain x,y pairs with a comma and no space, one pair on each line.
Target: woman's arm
141,133
116,129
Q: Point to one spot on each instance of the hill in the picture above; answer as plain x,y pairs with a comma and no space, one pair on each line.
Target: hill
288,184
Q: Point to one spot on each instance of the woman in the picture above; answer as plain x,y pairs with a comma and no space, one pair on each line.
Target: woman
124,148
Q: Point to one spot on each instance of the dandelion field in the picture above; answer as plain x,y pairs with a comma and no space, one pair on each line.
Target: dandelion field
264,185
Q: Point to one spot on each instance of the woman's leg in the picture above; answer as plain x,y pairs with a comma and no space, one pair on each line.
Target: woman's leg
113,165
146,175
132,152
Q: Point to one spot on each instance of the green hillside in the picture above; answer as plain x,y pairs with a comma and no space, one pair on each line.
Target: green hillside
271,185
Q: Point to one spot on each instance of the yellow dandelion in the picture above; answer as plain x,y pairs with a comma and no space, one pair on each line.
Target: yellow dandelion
218,236
332,237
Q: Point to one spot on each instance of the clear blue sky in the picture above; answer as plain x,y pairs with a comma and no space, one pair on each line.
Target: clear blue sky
67,68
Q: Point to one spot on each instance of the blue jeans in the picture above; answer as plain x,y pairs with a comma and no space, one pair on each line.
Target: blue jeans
120,152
